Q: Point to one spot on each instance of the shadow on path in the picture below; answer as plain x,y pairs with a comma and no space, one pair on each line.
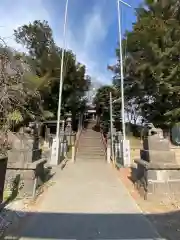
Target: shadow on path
81,226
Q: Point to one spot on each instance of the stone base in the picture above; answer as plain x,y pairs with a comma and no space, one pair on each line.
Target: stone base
163,189
163,175
163,183
20,183
155,182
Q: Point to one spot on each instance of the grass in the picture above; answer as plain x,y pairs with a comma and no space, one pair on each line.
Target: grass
6,194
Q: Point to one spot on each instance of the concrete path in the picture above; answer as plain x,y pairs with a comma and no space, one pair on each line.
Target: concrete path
88,201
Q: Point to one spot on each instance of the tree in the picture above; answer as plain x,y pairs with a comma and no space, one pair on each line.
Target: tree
37,37
152,67
102,103
12,94
19,99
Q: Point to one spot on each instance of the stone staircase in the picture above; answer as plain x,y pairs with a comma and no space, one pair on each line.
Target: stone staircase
90,146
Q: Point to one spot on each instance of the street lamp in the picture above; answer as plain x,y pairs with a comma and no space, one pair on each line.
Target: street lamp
121,67
61,85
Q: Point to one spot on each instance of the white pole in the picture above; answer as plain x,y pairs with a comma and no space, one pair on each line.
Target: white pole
125,145
124,3
121,71
111,123
61,84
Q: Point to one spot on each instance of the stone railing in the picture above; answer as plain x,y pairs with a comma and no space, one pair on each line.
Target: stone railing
105,144
25,181
113,149
21,180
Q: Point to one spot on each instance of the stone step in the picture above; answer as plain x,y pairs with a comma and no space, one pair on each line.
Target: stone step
90,134
91,146
99,145
90,142
90,151
90,137
95,145
91,155
90,160
84,158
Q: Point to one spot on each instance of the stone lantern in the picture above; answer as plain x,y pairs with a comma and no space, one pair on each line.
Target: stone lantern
68,130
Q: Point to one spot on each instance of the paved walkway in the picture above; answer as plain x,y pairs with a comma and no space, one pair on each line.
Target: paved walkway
88,201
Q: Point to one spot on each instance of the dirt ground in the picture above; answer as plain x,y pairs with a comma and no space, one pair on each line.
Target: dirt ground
164,214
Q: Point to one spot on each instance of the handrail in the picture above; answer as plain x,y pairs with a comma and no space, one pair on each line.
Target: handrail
78,134
104,141
74,148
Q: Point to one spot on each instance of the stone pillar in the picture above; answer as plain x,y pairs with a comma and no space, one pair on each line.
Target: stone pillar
126,153
53,152
108,151
73,154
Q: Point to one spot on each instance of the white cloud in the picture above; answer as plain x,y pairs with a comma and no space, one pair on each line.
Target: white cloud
95,27
86,46
15,14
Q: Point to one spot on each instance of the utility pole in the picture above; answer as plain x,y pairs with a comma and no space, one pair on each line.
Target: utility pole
61,85
121,67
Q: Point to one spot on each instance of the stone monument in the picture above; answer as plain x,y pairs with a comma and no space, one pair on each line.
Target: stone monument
24,161
25,146
158,172
156,149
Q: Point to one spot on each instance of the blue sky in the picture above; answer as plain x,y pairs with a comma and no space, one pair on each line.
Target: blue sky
92,30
